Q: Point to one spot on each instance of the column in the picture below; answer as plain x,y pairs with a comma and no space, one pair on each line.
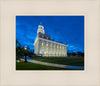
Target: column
47,48
51,49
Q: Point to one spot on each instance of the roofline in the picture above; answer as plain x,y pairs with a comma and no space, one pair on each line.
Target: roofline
50,41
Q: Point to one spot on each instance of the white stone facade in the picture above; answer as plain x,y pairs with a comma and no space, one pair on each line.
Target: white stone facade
45,47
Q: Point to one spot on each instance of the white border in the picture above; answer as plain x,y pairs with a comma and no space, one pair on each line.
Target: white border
9,77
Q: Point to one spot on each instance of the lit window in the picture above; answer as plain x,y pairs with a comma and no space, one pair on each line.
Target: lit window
60,47
47,37
57,47
42,36
47,52
42,44
47,45
50,45
42,52
54,46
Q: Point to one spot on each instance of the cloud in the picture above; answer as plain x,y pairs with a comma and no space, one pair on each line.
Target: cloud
66,29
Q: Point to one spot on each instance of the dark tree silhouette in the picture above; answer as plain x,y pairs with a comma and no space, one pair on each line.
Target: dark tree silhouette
20,51
80,54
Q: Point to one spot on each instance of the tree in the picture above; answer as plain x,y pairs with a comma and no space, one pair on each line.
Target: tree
71,54
18,44
80,54
20,51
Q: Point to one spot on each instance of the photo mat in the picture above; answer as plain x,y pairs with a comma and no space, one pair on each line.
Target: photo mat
12,77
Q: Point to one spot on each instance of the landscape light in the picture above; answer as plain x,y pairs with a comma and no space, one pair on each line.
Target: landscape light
25,47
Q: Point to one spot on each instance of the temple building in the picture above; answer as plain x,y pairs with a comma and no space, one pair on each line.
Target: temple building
44,46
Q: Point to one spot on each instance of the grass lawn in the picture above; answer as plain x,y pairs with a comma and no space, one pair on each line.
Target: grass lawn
33,66
76,61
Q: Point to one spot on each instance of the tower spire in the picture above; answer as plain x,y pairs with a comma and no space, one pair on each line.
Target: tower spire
40,23
41,28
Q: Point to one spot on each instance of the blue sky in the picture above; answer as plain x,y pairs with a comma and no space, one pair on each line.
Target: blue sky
66,29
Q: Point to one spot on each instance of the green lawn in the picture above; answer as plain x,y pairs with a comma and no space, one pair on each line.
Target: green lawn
76,61
33,66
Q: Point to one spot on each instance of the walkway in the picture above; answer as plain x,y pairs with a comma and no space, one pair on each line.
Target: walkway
55,65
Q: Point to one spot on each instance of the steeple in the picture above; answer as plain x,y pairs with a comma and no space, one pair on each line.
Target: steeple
40,29
40,23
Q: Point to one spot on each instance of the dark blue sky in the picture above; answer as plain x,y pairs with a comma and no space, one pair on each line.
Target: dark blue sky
66,29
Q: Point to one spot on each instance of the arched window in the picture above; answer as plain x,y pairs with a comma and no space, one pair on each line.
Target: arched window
42,44
47,45
51,45
42,36
54,46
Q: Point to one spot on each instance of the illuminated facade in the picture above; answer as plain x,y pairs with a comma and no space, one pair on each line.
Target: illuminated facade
44,46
